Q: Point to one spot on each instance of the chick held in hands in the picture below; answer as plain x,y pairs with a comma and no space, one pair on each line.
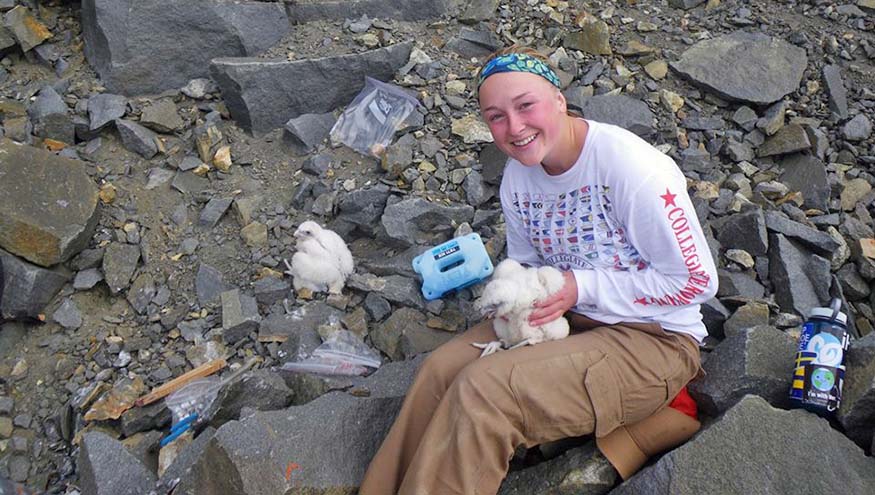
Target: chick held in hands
322,261
510,299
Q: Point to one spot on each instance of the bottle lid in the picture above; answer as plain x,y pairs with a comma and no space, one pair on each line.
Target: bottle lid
826,314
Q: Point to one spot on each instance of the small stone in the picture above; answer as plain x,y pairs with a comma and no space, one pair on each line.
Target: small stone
657,69
255,234
222,159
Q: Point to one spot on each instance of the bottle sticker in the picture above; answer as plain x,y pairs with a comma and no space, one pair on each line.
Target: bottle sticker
828,349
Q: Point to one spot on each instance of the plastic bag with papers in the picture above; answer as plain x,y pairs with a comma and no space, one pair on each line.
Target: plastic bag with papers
343,353
369,122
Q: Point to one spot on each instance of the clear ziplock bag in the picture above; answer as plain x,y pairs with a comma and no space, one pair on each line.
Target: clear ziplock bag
343,353
369,122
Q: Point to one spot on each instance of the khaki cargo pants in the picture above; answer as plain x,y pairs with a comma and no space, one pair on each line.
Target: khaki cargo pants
463,417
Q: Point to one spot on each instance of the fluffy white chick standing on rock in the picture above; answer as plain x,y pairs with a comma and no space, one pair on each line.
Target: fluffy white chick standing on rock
322,260
509,297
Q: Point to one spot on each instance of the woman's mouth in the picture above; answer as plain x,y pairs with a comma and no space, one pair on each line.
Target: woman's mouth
524,142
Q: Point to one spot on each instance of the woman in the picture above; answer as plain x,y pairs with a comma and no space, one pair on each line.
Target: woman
613,213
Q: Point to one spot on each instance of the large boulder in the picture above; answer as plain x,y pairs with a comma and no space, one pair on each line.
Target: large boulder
48,204
755,448
321,447
756,360
742,66
408,10
263,94
26,289
148,46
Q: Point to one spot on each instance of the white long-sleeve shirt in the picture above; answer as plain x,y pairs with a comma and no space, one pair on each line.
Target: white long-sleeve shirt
621,220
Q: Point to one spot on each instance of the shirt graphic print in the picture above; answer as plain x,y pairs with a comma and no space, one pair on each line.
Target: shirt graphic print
576,230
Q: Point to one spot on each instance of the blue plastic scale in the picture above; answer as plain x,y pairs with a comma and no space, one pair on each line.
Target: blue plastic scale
453,265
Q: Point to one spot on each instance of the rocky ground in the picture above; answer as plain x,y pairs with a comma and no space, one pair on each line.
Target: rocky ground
158,156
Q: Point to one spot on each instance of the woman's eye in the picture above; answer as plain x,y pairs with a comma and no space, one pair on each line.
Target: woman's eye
494,118
526,105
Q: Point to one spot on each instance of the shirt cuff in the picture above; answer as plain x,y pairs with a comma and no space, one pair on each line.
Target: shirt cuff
585,286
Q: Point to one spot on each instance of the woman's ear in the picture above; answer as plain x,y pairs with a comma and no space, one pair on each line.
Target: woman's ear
563,104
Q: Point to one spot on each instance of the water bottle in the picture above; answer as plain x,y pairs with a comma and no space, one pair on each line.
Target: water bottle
820,361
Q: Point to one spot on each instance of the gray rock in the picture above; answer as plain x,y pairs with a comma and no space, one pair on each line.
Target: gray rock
51,118
398,156
148,47
580,471
209,285
188,456
263,94
304,133
789,139
261,390
6,405
408,10
417,221
745,230
493,161
703,123
364,207
68,315
104,109
213,211
757,448
474,43
317,165
141,292
395,288
739,284
269,290
476,190
151,417
199,88
685,4
377,306
405,334
48,204
188,183
749,67
800,279
857,412
332,439
807,174
119,263
158,177
857,129
819,242
26,289
835,88
714,314
137,138
756,361
162,116
27,29
854,286
107,468
190,163
240,315
478,10
624,111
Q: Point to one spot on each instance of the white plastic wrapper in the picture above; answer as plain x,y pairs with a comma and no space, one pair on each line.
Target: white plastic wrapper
369,122
343,353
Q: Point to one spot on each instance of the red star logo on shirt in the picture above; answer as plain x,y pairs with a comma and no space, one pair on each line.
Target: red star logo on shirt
668,197
642,301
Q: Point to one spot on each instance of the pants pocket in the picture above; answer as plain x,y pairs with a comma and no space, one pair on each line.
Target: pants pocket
550,393
604,393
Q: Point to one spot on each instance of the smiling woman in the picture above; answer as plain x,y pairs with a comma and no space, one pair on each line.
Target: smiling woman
612,214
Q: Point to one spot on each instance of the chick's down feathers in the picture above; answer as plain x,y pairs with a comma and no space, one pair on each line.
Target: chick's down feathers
322,261
509,298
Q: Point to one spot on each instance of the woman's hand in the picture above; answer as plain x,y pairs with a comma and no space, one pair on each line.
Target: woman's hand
557,304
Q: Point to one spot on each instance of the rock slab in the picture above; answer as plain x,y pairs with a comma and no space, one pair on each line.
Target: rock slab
48,204
149,46
263,94
747,67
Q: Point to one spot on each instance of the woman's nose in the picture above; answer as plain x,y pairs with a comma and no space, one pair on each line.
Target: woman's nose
515,123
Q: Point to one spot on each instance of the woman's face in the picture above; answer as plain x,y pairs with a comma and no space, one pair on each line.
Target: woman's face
525,114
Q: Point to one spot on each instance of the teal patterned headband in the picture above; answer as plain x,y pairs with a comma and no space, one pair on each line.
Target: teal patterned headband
518,62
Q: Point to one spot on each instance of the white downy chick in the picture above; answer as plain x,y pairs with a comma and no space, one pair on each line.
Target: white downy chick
322,261
509,298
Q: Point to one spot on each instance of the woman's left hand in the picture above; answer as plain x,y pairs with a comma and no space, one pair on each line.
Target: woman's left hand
557,304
